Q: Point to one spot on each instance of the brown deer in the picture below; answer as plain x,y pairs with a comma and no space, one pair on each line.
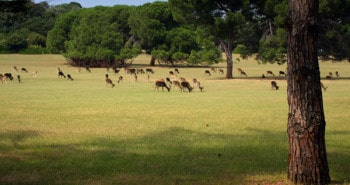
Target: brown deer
69,77
274,85
149,70
187,85
269,73
196,83
207,72
161,83
176,83
282,73
109,81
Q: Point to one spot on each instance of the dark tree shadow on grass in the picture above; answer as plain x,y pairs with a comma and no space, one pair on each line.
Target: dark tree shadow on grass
174,156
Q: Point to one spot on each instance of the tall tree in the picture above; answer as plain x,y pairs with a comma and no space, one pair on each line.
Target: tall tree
306,121
222,19
149,24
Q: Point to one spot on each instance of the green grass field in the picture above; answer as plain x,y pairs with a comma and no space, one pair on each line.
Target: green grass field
56,131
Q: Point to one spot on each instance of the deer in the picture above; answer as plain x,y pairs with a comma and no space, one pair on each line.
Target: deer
282,73
109,81
120,79
149,70
61,74
34,73
69,77
186,84
161,83
207,72
269,73
177,83
274,85
24,70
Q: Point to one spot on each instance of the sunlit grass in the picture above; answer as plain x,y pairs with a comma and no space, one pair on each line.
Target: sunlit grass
55,131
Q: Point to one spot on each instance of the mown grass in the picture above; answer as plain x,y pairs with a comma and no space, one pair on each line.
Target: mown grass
55,131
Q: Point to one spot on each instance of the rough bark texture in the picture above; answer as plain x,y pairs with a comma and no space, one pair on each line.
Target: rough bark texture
306,122
153,61
229,68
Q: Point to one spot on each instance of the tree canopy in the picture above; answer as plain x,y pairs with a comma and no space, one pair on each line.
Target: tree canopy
175,32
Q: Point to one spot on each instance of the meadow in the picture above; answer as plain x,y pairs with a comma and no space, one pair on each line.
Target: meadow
55,131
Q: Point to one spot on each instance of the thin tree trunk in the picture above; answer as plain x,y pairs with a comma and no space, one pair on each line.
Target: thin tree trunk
228,52
153,61
306,122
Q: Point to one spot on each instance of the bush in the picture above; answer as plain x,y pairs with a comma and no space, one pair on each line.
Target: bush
34,49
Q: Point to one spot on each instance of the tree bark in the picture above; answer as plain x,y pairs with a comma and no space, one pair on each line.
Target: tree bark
306,121
228,52
153,61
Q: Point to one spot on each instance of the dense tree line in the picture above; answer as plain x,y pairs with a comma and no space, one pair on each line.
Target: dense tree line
24,25
191,32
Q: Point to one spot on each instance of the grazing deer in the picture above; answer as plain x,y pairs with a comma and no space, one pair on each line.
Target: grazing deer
161,83
213,69
149,70
207,72
269,73
221,71
168,80
274,85
176,71
187,85
88,69
116,71
19,78
109,81
24,70
196,83
69,77
61,74
176,83
15,68
282,73
9,76
241,72
141,71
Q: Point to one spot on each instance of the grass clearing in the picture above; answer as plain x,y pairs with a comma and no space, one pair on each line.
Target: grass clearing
55,131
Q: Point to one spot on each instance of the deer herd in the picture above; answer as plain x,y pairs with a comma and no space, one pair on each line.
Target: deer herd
168,83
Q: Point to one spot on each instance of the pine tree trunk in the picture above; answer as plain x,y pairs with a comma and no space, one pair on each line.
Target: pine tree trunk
228,52
153,61
306,122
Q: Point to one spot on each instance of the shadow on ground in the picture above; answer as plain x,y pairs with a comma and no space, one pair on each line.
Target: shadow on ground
174,156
